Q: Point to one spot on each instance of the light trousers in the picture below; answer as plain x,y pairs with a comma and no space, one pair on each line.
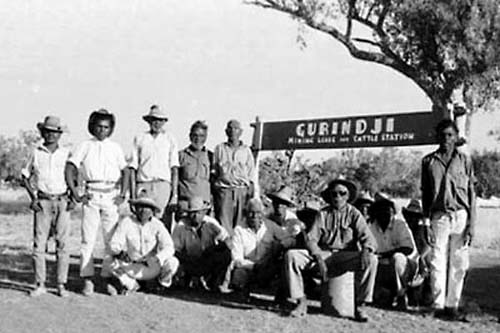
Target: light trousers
128,273
100,213
449,258
395,273
229,204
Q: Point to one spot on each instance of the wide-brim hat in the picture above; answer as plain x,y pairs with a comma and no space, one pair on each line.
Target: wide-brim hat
145,201
196,204
351,187
284,195
155,113
364,197
52,123
413,207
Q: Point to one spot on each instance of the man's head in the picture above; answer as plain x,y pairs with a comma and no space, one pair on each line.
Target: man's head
254,213
101,124
282,200
233,130
51,129
156,119
339,192
196,210
144,208
363,203
382,212
447,134
198,134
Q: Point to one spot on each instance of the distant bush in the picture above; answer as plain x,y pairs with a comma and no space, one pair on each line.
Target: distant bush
14,152
487,170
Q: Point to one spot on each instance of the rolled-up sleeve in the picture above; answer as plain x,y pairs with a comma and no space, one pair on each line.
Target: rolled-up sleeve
134,154
27,170
78,155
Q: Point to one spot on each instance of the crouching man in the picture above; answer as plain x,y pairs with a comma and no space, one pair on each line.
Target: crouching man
200,246
142,248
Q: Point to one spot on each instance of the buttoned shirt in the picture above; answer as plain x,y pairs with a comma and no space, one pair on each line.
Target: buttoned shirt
195,168
48,169
99,160
250,247
396,235
192,242
142,241
446,187
234,166
338,230
153,157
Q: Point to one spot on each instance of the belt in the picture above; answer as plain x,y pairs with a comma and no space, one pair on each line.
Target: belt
109,186
151,181
46,196
102,190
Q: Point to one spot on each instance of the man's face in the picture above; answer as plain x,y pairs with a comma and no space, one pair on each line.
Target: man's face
279,208
339,196
254,217
447,138
102,129
385,216
156,124
196,218
233,131
364,209
198,138
144,213
50,137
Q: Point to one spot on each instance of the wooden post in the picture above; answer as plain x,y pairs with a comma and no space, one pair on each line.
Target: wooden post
256,147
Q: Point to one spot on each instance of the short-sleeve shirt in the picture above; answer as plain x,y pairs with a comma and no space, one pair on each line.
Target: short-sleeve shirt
234,166
99,160
195,169
397,235
48,169
153,157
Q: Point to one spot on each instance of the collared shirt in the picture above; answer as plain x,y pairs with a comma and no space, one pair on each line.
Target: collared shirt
446,187
153,157
234,166
48,169
337,230
195,168
249,247
100,160
192,242
142,241
397,235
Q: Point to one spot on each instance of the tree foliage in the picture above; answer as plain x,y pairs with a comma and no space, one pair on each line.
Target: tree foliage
487,170
14,152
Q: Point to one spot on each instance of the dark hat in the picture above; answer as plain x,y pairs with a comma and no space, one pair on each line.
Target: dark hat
364,197
155,112
51,123
100,114
284,194
353,189
413,207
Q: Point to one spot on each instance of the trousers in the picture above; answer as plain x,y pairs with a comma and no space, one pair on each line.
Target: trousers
229,204
129,272
395,273
52,212
449,258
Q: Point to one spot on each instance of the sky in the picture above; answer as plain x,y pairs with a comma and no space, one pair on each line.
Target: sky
210,60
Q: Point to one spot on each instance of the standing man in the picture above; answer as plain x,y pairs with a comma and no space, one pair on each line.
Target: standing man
339,241
49,201
154,162
234,175
448,201
104,170
195,165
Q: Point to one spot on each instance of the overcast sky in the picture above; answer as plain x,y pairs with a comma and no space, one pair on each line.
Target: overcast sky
199,59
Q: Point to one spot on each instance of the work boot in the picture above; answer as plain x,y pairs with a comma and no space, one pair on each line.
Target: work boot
61,290
39,290
88,287
301,309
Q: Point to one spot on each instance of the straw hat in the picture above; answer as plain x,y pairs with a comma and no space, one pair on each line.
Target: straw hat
284,195
51,123
196,204
145,202
155,112
351,187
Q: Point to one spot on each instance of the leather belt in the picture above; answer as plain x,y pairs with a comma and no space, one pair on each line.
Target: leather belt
46,196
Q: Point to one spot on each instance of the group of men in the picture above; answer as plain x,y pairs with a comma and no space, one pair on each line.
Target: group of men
173,236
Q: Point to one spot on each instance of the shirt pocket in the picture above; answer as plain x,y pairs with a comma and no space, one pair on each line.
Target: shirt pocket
346,234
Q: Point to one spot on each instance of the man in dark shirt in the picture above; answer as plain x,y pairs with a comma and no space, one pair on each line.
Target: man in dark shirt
448,201
339,241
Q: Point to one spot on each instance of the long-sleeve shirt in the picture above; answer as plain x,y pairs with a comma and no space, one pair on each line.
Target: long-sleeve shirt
142,241
250,247
447,187
234,166
342,229
191,242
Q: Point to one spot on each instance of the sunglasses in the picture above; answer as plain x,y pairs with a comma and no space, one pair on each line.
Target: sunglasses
339,193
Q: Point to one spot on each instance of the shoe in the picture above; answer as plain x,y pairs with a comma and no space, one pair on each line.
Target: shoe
401,303
38,291
61,291
111,290
360,316
300,310
452,314
129,291
88,288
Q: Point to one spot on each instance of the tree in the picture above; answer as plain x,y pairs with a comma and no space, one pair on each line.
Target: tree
450,49
14,152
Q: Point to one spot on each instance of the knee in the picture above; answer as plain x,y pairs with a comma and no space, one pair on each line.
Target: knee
291,257
398,259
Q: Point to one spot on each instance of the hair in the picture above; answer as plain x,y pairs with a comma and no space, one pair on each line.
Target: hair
198,124
444,124
254,202
101,114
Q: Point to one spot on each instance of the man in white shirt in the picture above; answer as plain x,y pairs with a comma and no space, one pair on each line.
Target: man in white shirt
155,161
43,178
201,246
143,248
104,170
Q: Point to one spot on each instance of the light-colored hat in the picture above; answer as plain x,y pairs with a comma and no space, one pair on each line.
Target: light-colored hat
155,112
196,204
351,187
413,207
145,201
284,194
51,123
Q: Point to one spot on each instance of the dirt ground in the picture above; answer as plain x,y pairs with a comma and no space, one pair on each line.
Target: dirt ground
180,311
